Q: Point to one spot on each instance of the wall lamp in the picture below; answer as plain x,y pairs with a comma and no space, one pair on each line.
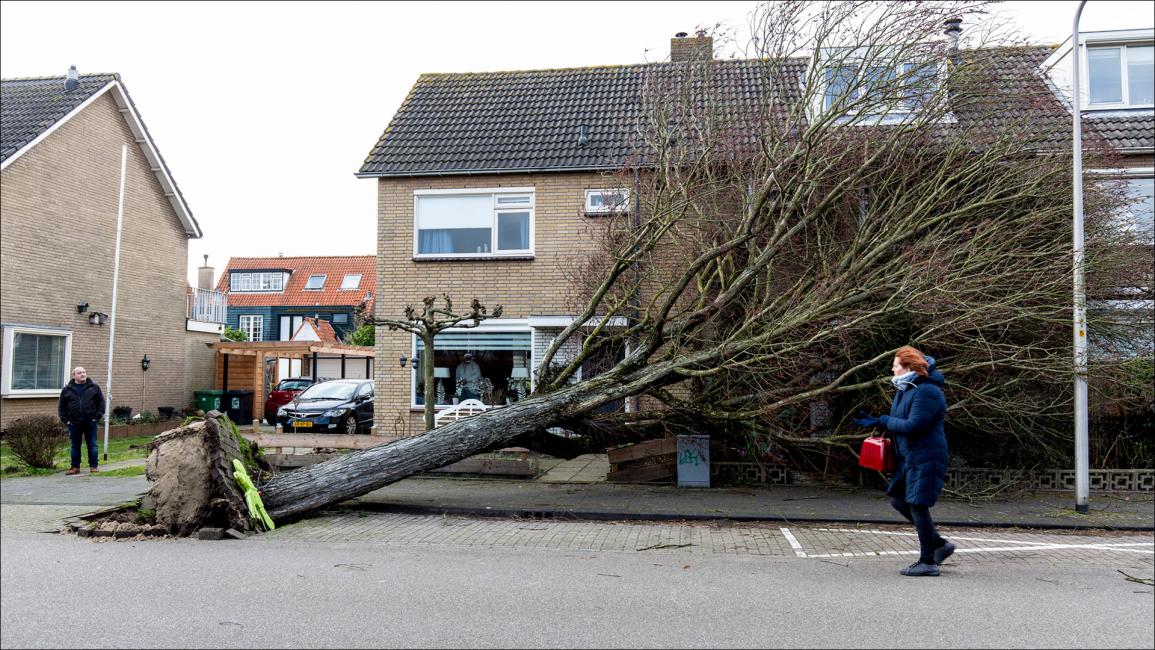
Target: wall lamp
97,318
81,308
405,360
145,363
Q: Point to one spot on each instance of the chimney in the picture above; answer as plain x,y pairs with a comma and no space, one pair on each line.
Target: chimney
72,80
205,276
684,47
952,27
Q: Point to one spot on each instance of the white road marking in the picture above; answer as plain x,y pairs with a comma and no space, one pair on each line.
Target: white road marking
1103,547
793,542
1041,545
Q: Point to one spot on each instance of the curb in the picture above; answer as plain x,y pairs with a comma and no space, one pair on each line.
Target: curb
576,515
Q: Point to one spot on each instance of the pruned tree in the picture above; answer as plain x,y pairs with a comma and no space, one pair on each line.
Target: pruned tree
426,324
854,185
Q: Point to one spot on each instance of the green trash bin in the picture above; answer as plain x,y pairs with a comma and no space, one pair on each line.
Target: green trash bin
208,400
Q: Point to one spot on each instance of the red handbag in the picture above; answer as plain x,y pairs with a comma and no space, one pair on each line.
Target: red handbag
876,454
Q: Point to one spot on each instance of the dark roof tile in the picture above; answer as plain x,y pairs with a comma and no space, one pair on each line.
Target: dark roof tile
30,106
528,120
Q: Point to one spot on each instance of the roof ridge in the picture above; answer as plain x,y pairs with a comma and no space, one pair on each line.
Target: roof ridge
62,76
1009,46
568,69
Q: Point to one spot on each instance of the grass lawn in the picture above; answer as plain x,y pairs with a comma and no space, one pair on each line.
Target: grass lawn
118,449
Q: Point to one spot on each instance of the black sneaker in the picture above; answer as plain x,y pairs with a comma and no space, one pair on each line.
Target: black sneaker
943,552
920,569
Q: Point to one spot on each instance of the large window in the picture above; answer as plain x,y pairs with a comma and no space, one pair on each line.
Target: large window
252,325
1121,76
257,281
497,373
315,283
473,223
35,361
1140,211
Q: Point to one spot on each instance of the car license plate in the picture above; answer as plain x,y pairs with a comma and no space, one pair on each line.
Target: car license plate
302,424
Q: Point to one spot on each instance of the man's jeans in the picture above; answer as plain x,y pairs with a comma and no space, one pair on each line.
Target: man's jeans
87,430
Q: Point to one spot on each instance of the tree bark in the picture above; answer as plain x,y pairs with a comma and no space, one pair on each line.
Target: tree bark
291,495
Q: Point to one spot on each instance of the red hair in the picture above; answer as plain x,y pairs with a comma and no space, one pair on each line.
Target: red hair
911,358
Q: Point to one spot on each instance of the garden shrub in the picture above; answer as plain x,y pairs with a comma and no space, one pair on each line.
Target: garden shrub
35,439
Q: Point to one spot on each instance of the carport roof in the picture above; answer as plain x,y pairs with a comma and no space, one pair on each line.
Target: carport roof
290,348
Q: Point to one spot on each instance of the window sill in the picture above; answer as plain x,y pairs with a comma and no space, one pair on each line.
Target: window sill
476,258
34,394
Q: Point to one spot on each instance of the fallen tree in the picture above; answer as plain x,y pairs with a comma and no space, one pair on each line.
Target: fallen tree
787,236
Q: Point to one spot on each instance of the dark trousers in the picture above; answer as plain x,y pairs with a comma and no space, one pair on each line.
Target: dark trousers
928,537
87,430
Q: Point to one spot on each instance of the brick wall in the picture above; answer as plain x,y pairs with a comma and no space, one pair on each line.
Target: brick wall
537,287
57,238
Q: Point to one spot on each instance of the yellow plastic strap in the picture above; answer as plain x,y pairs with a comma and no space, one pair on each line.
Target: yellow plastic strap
256,507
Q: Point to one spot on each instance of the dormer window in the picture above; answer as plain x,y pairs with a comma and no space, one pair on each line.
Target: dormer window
315,283
251,282
1121,76
896,89
351,281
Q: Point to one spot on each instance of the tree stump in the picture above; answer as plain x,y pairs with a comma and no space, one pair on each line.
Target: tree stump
191,472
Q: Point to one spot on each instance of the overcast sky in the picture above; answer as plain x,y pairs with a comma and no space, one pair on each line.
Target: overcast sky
264,111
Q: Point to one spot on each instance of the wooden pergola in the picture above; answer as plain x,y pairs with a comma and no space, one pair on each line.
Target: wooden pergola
248,371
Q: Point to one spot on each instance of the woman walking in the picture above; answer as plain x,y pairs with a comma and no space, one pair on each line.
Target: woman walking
916,420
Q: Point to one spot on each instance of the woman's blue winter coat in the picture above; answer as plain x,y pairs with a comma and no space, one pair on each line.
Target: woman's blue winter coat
916,420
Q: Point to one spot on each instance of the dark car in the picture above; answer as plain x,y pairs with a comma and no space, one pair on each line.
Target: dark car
285,391
336,406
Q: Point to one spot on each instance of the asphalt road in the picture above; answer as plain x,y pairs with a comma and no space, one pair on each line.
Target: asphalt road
61,591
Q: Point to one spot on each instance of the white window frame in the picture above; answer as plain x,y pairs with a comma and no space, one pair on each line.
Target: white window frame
498,209
345,282
324,278
604,209
258,319
9,336
1124,81
257,281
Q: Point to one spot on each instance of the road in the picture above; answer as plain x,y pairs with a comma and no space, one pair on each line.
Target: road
357,579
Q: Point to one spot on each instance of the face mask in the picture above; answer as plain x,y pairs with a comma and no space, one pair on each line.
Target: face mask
902,382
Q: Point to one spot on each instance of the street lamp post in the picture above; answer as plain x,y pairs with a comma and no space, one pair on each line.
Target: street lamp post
1082,443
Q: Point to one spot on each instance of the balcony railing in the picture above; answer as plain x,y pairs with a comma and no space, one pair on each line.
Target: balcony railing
206,306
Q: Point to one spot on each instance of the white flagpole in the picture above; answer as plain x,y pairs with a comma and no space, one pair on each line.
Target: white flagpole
115,280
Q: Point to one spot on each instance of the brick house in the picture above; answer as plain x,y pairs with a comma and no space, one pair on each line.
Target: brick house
61,162
488,187
269,298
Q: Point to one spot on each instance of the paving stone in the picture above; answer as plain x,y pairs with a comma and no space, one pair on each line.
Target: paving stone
212,534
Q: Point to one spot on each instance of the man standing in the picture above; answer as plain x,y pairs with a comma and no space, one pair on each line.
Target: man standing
81,405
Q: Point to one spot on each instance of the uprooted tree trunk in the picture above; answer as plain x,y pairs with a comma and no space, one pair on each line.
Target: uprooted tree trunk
290,495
